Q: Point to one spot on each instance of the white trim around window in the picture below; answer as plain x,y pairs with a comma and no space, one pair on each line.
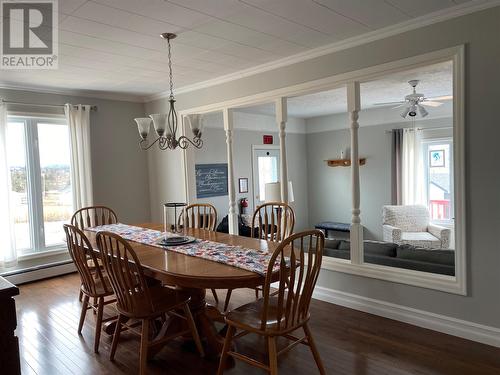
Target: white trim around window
449,284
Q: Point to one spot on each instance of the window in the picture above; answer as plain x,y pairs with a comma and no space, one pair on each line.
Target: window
42,195
438,162
266,170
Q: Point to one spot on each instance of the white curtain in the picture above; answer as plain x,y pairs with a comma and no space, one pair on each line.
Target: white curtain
78,118
412,168
8,254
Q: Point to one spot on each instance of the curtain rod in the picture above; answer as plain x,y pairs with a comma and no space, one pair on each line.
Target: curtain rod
436,128
92,107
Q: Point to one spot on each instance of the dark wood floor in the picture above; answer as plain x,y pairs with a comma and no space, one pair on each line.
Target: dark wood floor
350,342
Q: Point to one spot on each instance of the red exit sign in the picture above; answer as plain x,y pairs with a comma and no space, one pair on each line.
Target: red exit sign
267,139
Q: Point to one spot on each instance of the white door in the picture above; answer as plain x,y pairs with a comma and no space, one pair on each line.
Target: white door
266,168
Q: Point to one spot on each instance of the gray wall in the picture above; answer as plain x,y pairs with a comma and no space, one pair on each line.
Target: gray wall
214,151
119,167
478,32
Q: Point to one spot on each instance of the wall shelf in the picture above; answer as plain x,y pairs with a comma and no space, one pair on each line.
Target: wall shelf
343,162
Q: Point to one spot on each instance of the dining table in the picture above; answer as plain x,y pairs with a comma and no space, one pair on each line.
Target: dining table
194,275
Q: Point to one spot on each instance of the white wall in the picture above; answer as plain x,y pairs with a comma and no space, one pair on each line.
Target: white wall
119,167
478,32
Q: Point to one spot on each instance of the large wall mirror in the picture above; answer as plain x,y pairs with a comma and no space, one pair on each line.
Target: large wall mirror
405,121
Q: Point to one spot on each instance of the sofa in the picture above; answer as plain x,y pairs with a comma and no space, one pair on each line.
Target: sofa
390,254
411,225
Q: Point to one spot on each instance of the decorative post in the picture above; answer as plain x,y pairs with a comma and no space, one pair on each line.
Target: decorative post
353,107
281,118
233,214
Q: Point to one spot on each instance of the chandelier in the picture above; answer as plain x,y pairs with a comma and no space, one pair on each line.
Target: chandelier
165,124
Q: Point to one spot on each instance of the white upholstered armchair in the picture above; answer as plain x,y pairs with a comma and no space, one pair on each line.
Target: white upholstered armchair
410,225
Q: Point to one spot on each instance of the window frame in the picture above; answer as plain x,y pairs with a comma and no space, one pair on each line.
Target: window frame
34,184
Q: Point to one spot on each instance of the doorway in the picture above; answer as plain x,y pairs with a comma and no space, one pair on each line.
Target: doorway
266,169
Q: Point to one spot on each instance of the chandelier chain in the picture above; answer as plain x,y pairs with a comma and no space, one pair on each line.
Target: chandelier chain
170,69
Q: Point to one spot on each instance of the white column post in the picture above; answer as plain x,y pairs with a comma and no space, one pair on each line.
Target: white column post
281,119
353,107
233,214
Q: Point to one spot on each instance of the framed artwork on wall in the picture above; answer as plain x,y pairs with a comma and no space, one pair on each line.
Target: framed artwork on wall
243,182
436,158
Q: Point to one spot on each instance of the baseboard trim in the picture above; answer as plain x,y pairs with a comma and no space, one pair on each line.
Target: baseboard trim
436,322
40,273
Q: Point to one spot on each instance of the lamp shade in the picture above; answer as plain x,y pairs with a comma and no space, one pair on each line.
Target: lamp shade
195,123
160,123
143,125
273,192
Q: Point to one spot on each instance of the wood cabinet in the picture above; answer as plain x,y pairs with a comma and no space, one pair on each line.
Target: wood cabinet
9,345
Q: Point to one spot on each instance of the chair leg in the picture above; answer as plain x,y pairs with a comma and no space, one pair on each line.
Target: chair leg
314,349
216,297
85,304
143,358
95,304
80,296
225,349
98,324
256,293
116,337
273,355
194,330
228,298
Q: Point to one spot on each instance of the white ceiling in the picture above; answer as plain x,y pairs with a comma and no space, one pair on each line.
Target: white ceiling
114,45
435,80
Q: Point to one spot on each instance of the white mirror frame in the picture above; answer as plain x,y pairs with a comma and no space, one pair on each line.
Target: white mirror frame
351,80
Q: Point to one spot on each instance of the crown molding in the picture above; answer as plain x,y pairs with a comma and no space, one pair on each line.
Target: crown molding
413,24
107,95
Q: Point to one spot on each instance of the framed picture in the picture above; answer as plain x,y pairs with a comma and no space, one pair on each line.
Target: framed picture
243,182
436,158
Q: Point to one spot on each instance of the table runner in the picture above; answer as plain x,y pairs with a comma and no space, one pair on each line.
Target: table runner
248,259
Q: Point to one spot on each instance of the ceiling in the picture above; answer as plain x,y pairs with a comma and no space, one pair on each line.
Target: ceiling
114,45
435,80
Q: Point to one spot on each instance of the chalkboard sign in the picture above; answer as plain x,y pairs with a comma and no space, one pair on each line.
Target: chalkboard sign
211,180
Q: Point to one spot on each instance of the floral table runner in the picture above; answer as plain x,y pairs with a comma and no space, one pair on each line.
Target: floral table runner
236,256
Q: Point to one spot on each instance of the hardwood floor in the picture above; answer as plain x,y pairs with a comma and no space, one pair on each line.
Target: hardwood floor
350,342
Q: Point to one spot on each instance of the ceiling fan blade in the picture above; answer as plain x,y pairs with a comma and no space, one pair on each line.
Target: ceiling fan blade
388,103
445,97
431,103
399,106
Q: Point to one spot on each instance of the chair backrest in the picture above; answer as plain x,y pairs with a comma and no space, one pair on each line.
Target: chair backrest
275,221
296,279
200,216
82,253
125,274
93,216
409,218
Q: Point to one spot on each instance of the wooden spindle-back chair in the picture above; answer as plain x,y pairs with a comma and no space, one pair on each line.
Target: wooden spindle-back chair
299,257
272,221
95,284
93,216
136,299
200,216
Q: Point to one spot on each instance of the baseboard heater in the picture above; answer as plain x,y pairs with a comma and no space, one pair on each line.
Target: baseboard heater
40,272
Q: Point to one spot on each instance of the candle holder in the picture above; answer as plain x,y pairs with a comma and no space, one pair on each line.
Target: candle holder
173,226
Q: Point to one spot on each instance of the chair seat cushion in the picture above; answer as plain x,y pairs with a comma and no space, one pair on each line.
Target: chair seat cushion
421,239
249,316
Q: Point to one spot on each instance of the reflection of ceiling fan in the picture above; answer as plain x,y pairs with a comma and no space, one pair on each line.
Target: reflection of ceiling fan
416,101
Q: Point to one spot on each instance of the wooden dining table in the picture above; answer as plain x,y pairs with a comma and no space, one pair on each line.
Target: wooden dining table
195,275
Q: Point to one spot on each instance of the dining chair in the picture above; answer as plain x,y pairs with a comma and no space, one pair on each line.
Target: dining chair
272,221
200,216
136,299
94,283
93,216
299,257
